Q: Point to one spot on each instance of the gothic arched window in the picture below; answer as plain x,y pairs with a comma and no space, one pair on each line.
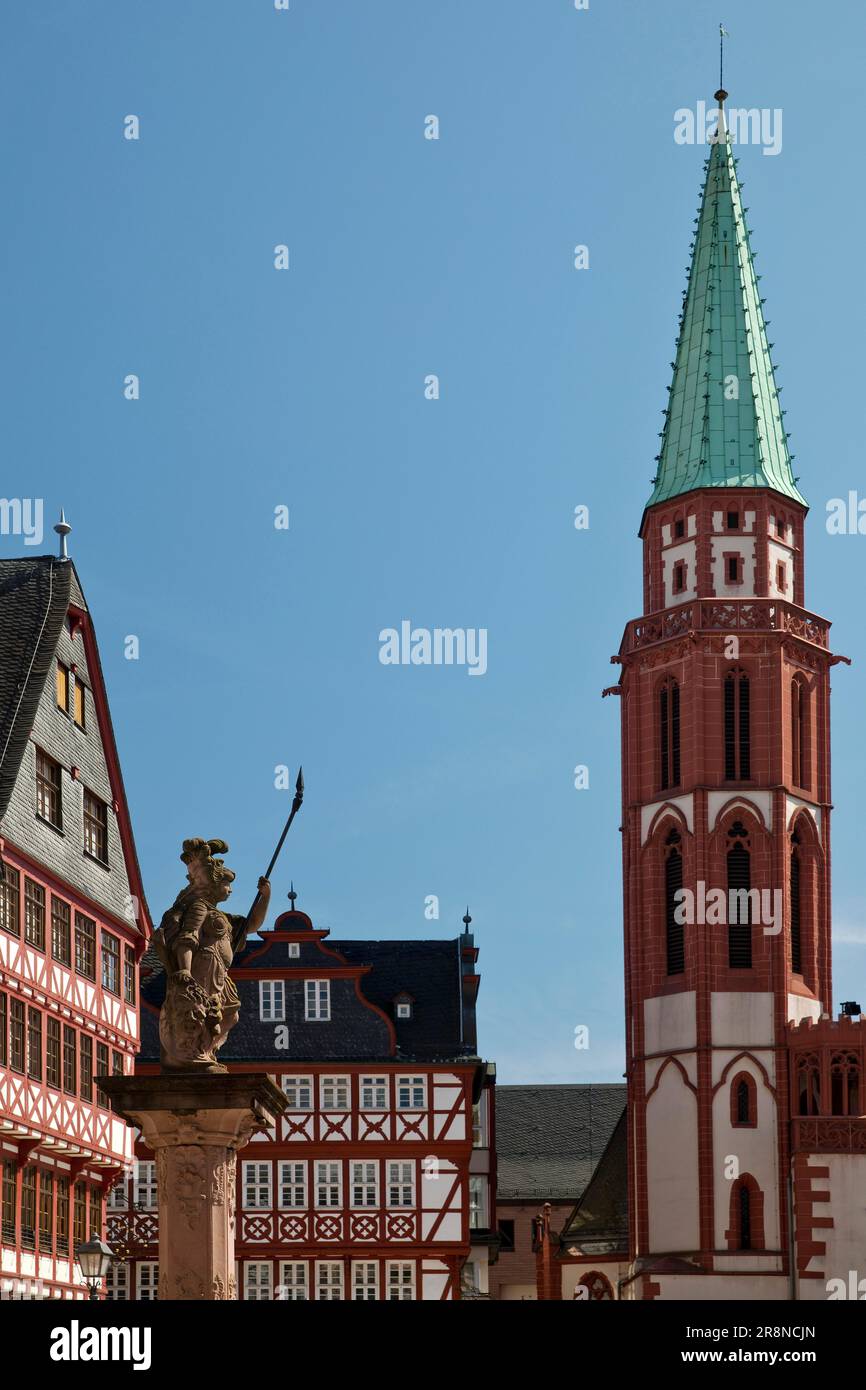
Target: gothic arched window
737,727
808,1084
746,1229
796,921
799,733
744,1101
739,899
669,734
845,1083
674,930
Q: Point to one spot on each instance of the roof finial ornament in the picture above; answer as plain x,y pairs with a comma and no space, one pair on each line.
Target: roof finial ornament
63,528
292,895
467,919
723,34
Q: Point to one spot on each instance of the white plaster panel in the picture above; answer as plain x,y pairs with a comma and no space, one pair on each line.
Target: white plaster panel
669,1022
741,1018
754,1150
780,555
685,804
672,1165
798,1008
761,801
793,804
846,1238
743,546
684,551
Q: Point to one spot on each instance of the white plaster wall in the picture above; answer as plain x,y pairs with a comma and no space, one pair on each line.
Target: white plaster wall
742,1019
798,1008
780,554
711,1287
793,804
737,1151
672,1165
669,1023
760,800
846,1239
732,542
685,550
685,804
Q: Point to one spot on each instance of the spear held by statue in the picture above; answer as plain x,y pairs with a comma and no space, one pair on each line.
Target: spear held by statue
297,802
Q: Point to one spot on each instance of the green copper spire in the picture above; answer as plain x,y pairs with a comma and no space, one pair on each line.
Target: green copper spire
724,424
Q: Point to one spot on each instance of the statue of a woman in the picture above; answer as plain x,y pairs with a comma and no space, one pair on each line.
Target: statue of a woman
196,943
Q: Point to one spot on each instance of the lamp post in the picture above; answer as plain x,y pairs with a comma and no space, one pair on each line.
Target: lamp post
94,1258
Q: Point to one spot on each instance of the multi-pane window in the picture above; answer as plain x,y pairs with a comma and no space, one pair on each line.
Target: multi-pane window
147,1281
365,1184
34,1044
28,1208
335,1092
34,914
63,687
365,1281
129,974
48,804
17,1048
52,1052
411,1092
845,1083
293,1183
95,827
374,1093
144,1184
85,1067
317,1000
328,1184
10,900
46,1212
118,1195
110,963
70,1068
7,1207
101,1070
79,1214
669,734
257,1185
737,727
477,1202
401,1184
61,933
401,1281
299,1092
85,946
257,1281
4,1029
94,1226
272,1001
329,1281
294,1286
117,1282
62,1216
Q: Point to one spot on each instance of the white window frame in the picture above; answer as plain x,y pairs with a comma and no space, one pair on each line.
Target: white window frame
117,1282
257,1185
258,1281
294,950
411,1092
365,1281
147,1281
293,1185
295,1088
144,1188
374,1091
332,1091
404,1010
317,1001
401,1181
294,1285
272,1001
118,1196
364,1184
328,1175
329,1281
400,1288
477,1202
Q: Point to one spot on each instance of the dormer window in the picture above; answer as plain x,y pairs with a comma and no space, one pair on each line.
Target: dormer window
403,1003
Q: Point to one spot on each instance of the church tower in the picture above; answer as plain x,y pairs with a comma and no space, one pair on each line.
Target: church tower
726,797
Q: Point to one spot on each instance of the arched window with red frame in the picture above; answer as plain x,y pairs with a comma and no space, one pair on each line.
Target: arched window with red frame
597,1285
808,1075
744,1101
845,1083
746,1218
800,733
675,934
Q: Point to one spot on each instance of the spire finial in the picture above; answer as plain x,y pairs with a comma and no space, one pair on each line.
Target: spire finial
63,528
293,897
467,919
723,34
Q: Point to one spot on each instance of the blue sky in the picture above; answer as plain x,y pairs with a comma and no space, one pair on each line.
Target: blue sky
305,388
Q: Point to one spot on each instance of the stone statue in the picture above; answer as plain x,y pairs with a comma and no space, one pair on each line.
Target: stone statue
196,942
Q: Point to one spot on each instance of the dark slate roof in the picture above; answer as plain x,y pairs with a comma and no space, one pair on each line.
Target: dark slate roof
550,1138
599,1222
427,970
34,599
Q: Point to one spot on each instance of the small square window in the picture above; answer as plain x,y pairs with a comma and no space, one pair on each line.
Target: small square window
294,950
404,1010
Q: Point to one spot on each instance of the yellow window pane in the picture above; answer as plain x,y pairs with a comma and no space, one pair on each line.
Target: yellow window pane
62,687
79,704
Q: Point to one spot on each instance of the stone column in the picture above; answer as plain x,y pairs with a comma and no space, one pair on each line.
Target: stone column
195,1125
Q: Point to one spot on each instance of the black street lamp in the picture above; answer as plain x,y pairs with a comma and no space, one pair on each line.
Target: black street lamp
94,1259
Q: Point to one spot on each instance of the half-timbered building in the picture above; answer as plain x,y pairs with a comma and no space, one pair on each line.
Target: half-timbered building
377,1183
73,926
